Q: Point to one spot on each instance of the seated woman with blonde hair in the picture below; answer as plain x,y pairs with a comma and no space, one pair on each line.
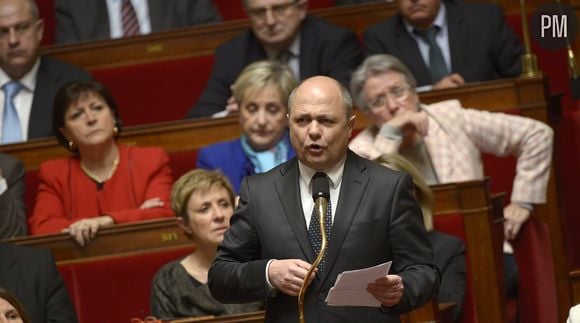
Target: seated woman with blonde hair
103,182
262,92
203,202
448,251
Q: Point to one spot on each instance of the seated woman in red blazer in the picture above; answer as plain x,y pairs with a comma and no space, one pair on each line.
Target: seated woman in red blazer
103,182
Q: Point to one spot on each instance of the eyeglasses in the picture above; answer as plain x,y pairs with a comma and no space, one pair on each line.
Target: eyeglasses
399,93
277,10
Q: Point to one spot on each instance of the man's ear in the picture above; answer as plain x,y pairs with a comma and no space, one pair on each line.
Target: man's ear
351,123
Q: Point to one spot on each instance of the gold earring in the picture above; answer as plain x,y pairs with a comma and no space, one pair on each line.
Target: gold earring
115,131
71,145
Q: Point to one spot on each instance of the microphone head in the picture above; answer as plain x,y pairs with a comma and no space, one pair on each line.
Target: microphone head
320,186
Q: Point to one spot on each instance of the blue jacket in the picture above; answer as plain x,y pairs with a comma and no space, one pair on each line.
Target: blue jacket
229,157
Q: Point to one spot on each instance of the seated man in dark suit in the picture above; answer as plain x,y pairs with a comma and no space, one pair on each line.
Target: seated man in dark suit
31,275
101,19
28,82
281,30
372,218
446,43
12,210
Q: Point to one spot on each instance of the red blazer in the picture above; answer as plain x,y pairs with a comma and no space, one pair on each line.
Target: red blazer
66,195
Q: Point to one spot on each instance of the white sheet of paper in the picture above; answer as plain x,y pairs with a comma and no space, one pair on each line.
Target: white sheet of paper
350,288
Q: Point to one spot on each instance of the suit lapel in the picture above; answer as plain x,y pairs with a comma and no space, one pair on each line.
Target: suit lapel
354,183
410,54
157,14
40,113
457,39
307,59
288,191
8,273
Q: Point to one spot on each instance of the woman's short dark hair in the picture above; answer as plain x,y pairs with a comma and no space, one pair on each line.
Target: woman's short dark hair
72,92
12,300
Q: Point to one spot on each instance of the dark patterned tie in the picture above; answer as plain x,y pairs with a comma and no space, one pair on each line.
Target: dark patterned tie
437,64
129,19
315,236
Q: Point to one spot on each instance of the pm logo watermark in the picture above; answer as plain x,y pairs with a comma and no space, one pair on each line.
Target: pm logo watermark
552,25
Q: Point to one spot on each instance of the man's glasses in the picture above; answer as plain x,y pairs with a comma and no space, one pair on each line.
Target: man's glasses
399,93
277,10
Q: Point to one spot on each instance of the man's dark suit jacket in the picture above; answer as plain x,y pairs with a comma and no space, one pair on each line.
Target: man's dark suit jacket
325,49
89,19
377,220
449,255
52,75
31,275
482,46
12,210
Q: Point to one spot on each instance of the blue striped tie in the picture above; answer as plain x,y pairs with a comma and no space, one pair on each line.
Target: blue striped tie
11,129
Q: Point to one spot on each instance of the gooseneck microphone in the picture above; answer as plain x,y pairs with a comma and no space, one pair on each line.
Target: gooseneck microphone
321,196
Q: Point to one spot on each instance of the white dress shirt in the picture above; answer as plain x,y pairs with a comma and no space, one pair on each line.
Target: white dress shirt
141,8
22,100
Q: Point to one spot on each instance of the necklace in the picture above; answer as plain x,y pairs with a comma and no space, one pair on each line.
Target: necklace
96,178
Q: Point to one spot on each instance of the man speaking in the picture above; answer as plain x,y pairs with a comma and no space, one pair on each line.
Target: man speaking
374,218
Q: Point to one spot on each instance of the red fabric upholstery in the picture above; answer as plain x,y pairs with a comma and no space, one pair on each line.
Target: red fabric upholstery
453,224
182,162
115,289
537,285
158,91
46,12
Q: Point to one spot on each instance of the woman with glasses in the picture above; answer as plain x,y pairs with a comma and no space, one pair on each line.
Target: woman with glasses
445,141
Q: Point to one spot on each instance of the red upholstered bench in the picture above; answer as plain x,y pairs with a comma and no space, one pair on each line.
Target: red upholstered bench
116,288
156,91
452,224
182,162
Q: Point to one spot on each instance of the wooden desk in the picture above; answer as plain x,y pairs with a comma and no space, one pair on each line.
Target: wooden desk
203,40
258,317
472,200
508,94
123,238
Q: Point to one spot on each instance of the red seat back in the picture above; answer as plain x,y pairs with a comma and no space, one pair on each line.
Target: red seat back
46,13
182,162
452,224
537,285
157,91
117,288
